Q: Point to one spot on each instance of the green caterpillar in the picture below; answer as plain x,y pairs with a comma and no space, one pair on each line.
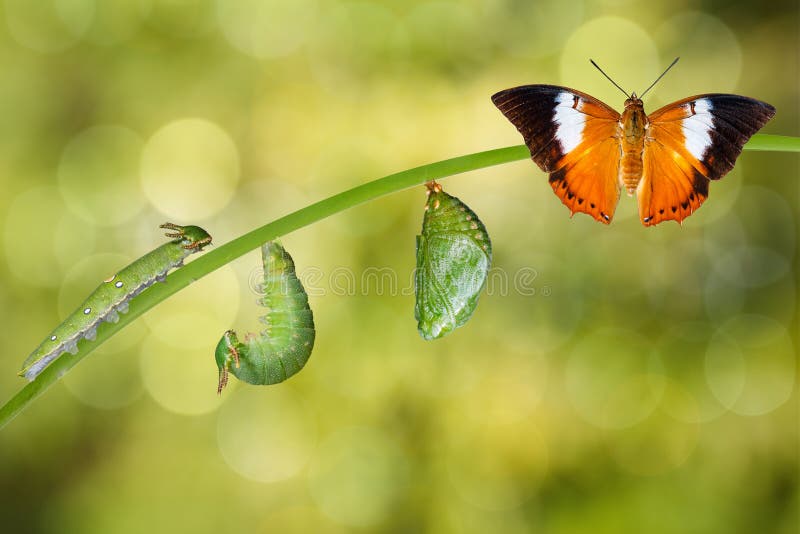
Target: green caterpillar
284,346
453,258
112,296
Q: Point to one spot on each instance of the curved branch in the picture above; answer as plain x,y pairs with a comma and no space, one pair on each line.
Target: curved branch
310,214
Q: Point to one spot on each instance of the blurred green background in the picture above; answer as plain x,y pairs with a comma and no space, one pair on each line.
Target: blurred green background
628,380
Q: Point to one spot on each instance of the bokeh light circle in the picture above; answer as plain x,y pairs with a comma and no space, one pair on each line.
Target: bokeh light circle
608,379
116,21
553,298
190,169
181,380
760,218
267,28
498,467
723,298
351,44
716,69
48,26
109,382
99,175
751,266
186,19
299,519
621,47
750,364
659,443
339,363
677,272
42,239
723,194
677,351
177,360
613,285
265,434
538,29
752,246
511,386
445,30
450,374
356,476
197,316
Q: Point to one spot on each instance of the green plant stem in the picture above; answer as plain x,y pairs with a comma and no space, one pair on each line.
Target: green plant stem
775,143
228,252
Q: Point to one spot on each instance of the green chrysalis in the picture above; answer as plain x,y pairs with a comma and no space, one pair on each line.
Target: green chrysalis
112,296
284,346
453,258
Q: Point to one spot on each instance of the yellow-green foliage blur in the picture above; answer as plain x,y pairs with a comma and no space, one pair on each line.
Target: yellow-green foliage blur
613,378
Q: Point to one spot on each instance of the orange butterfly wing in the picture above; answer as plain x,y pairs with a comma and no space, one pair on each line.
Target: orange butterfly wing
575,138
688,143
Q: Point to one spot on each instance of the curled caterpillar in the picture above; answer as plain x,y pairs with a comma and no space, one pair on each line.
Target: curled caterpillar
286,342
453,258
112,296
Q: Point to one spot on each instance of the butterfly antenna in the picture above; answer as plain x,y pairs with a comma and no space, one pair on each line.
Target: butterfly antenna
662,75
610,80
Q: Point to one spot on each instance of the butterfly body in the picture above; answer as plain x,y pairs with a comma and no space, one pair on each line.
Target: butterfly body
633,128
667,158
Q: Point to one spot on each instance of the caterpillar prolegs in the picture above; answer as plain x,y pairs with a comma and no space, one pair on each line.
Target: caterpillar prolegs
112,296
286,342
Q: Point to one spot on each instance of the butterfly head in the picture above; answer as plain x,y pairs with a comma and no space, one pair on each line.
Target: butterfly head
634,102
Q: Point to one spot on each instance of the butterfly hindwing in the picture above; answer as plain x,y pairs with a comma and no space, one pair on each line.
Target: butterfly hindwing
671,187
572,136
588,180
689,143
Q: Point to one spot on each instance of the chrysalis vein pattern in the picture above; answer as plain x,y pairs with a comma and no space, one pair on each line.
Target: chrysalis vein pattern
453,258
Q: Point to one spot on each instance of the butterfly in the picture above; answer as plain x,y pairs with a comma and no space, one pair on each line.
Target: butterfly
668,158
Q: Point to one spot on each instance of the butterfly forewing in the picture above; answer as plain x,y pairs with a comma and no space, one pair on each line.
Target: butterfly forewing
572,136
671,187
690,142
588,181
710,130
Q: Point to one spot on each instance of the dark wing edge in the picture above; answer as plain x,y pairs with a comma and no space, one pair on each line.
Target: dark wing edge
734,120
532,110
